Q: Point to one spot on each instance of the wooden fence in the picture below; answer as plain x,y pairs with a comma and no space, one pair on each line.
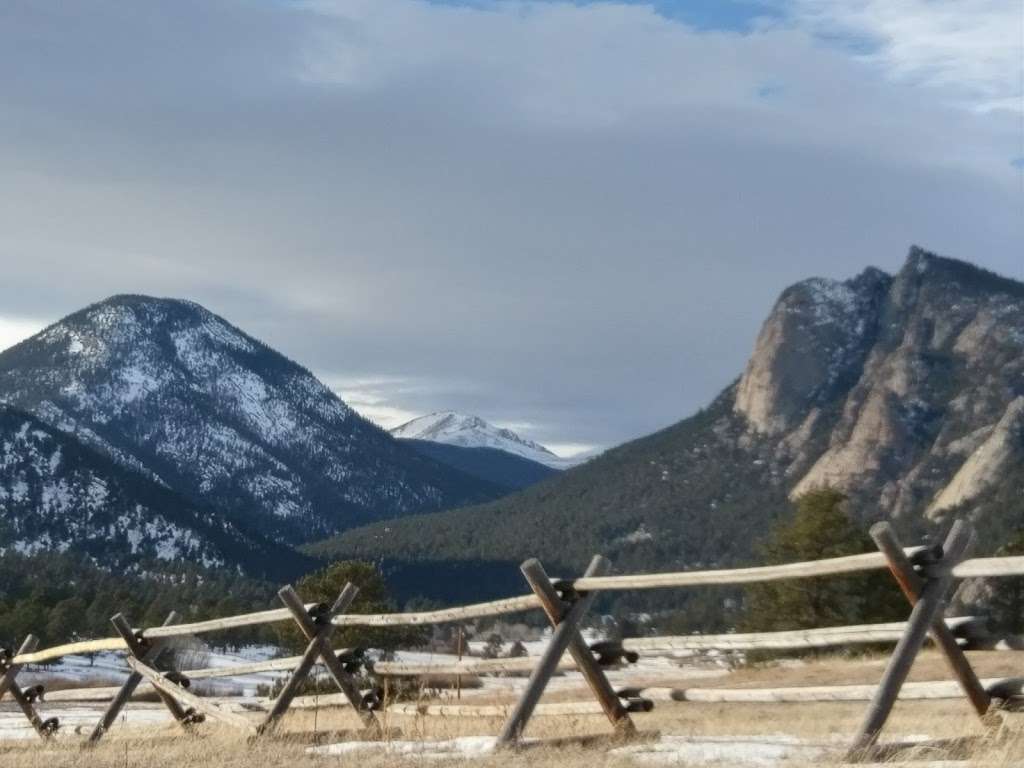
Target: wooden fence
925,575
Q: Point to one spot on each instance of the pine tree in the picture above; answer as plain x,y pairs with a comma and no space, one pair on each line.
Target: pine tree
323,586
819,529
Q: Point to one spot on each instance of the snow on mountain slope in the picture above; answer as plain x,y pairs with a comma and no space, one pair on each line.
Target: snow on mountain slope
467,431
56,495
171,390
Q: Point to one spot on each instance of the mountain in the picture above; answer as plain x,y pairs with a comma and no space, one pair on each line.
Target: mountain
489,464
56,495
904,391
179,395
451,428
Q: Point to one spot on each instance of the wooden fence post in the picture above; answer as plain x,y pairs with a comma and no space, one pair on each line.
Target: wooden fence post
930,602
912,584
581,652
318,646
26,701
147,653
318,630
566,636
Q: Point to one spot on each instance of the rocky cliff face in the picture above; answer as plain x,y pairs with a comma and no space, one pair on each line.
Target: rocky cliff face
912,385
810,350
988,464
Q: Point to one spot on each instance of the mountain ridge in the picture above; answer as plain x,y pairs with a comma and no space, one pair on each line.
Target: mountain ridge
882,386
468,431
169,389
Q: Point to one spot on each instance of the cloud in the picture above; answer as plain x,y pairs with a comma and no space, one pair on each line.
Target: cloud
571,215
379,398
15,329
573,450
973,50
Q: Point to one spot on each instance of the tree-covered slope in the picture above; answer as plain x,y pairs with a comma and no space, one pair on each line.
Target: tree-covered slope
59,496
683,496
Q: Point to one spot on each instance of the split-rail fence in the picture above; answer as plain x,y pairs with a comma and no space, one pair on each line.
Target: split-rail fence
924,574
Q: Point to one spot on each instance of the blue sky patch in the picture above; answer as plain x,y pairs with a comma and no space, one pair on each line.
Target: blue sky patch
705,15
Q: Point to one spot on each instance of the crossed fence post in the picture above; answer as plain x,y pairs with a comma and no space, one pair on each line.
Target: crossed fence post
565,616
317,627
25,698
171,686
147,652
927,594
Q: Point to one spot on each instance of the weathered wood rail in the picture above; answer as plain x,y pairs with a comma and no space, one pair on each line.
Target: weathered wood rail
989,567
924,574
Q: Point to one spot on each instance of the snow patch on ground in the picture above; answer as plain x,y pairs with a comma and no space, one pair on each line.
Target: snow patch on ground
463,747
724,750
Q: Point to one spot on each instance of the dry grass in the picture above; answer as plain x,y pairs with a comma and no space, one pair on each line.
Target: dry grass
210,747
218,749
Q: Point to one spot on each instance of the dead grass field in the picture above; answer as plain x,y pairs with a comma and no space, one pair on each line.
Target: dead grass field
157,746
212,747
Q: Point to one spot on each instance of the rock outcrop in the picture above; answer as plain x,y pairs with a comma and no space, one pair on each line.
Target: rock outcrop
988,463
913,383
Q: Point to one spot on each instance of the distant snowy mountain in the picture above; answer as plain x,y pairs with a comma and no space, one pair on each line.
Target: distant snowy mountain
452,428
174,392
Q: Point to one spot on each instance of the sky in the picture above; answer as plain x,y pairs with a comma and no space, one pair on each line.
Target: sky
569,218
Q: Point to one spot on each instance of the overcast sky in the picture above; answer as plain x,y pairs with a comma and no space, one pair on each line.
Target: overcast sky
568,217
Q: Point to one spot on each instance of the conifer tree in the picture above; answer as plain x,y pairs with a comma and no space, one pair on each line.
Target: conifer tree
819,528
323,586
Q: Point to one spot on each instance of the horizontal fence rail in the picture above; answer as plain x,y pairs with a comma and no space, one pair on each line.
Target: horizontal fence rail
476,611
219,625
975,568
285,663
1011,687
1004,687
784,640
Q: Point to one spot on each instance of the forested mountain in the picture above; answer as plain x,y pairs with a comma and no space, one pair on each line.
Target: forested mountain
177,394
905,392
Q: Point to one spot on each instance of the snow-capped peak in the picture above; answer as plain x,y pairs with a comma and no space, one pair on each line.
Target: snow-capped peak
469,431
